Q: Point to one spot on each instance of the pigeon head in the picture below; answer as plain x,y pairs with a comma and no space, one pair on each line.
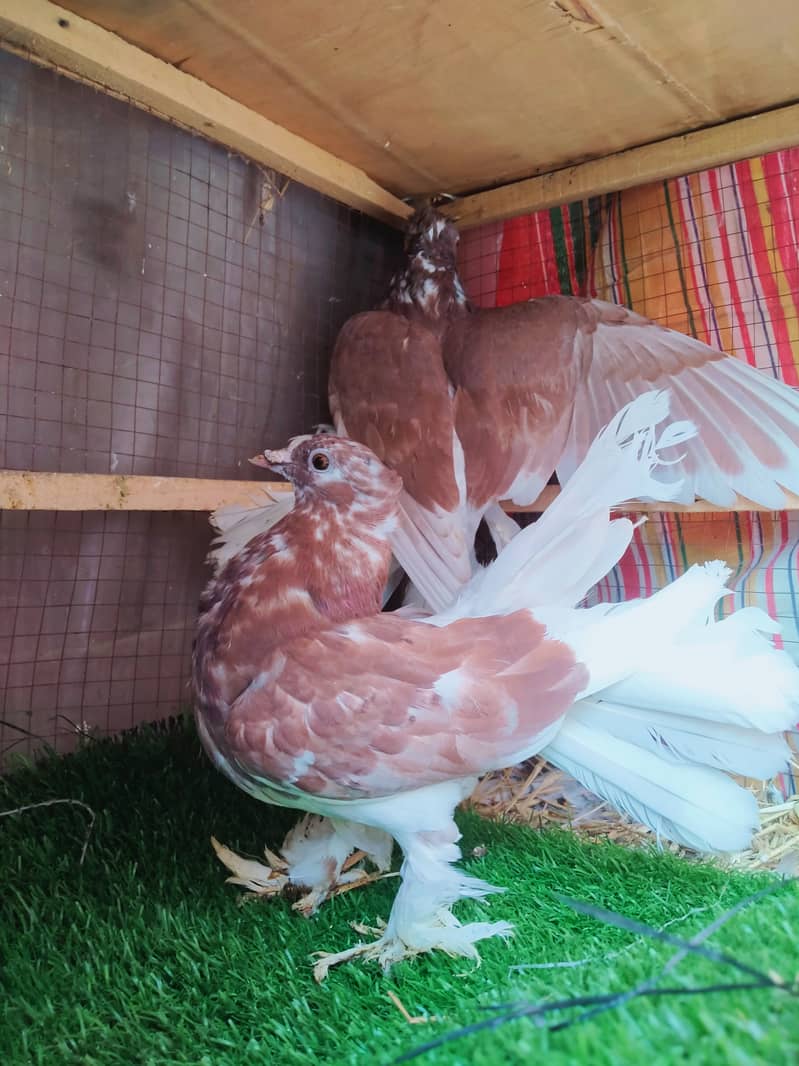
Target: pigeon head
325,468
428,281
430,233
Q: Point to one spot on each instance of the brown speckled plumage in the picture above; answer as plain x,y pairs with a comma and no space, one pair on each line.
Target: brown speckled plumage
301,680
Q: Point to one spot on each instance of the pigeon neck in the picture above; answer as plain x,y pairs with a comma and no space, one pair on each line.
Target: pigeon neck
342,558
296,579
311,570
429,285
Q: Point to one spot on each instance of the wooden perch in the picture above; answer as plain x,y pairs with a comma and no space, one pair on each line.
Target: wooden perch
27,491
22,490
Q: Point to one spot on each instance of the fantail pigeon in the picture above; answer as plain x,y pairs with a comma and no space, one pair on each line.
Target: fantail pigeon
307,696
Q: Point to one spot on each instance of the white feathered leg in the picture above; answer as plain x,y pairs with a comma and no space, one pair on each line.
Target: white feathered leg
317,851
314,857
421,919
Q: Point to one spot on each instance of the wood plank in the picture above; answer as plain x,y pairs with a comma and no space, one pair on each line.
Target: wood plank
457,95
25,490
53,36
676,156
29,491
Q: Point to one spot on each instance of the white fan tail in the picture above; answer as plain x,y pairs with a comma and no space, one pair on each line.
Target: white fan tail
667,653
675,701
692,805
682,738
575,542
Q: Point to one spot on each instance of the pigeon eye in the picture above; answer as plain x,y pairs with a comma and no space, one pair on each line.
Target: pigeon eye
319,461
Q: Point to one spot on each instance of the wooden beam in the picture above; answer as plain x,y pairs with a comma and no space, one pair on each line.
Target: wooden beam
28,491
728,142
24,490
54,37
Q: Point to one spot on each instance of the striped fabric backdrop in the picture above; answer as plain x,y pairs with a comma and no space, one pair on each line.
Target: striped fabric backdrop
714,255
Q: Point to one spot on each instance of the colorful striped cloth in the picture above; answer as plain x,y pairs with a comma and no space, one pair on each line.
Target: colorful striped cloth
714,255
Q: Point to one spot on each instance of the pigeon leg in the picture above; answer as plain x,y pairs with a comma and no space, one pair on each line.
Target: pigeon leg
320,857
421,919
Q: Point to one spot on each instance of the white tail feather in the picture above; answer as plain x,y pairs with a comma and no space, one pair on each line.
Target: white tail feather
692,805
678,700
614,644
666,653
685,739
575,535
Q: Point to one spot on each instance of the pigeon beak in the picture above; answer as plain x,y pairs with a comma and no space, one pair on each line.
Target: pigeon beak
279,462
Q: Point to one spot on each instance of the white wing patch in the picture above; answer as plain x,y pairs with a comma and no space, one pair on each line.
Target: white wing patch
450,686
302,764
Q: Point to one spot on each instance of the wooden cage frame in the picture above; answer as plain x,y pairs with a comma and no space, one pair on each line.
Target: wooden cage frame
81,49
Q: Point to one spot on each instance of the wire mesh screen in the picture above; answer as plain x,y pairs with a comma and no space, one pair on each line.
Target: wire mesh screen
713,255
164,309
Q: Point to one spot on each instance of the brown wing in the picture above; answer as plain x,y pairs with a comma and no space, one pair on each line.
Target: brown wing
385,705
516,370
748,440
388,389
537,381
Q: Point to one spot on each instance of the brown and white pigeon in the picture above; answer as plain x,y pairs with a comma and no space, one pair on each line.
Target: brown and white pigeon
474,406
307,696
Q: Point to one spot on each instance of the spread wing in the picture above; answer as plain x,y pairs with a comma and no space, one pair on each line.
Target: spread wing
516,370
385,705
537,381
388,389
748,439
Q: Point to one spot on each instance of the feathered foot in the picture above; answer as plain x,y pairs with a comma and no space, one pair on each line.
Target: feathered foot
421,919
444,933
319,855
260,880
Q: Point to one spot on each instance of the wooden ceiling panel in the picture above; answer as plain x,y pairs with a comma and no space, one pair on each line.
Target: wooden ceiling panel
734,59
460,95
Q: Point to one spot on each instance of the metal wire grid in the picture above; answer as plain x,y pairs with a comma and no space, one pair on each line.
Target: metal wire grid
167,309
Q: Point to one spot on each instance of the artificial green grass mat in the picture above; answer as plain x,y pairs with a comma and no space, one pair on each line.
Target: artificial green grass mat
141,954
